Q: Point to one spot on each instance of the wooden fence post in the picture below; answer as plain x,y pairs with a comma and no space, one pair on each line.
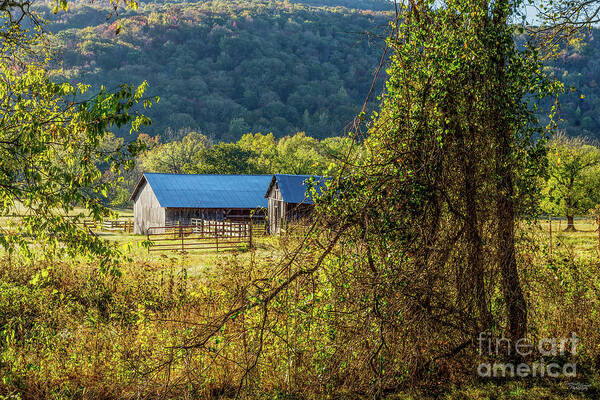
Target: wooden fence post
250,233
550,221
217,239
181,234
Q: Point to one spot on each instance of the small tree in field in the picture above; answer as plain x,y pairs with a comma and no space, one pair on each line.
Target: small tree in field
572,185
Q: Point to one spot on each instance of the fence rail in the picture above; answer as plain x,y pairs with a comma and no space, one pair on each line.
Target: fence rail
202,235
229,227
87,223
123,225
116,225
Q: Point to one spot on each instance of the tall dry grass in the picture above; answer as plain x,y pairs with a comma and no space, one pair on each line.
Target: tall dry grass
69,332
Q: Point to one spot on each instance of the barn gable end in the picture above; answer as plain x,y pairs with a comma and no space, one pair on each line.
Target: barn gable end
147,211
289,198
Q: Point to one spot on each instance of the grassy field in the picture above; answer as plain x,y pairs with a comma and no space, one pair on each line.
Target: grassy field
266,247
69,332
582,243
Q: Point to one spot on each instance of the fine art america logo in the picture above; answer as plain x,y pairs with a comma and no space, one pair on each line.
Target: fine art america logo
548,348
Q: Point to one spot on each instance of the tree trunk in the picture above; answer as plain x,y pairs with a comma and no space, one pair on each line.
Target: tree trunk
516,306
474,241
503,130
477,270
570,224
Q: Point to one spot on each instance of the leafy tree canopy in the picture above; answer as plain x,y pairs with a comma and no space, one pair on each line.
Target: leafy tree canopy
572,187
52,143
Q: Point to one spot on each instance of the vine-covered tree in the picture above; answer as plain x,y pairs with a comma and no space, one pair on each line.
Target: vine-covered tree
451,155
413,244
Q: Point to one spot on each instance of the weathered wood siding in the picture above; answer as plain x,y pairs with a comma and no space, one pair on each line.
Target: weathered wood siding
281,213
182,216
147,211
276,210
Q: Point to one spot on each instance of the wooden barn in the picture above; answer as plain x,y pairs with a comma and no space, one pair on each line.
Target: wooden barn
171,199
289,198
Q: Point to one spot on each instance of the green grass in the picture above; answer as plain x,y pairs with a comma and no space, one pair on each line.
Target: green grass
582,243
267,248
198,260
13,216
519,390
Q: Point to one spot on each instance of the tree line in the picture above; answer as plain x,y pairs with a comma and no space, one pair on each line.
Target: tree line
570,187
190,152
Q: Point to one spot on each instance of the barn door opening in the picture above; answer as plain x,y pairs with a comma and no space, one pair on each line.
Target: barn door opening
276,217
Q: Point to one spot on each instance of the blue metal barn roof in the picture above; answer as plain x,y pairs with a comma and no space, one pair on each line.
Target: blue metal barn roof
294,187
208,191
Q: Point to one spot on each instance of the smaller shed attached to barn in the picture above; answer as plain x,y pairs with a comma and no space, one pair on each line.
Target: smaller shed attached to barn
170,199
290,198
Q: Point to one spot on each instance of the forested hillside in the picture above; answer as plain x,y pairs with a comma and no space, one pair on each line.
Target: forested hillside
380,5
578,67
226,68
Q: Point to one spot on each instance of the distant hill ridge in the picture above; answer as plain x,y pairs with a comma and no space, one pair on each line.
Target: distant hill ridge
377,5
226,68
